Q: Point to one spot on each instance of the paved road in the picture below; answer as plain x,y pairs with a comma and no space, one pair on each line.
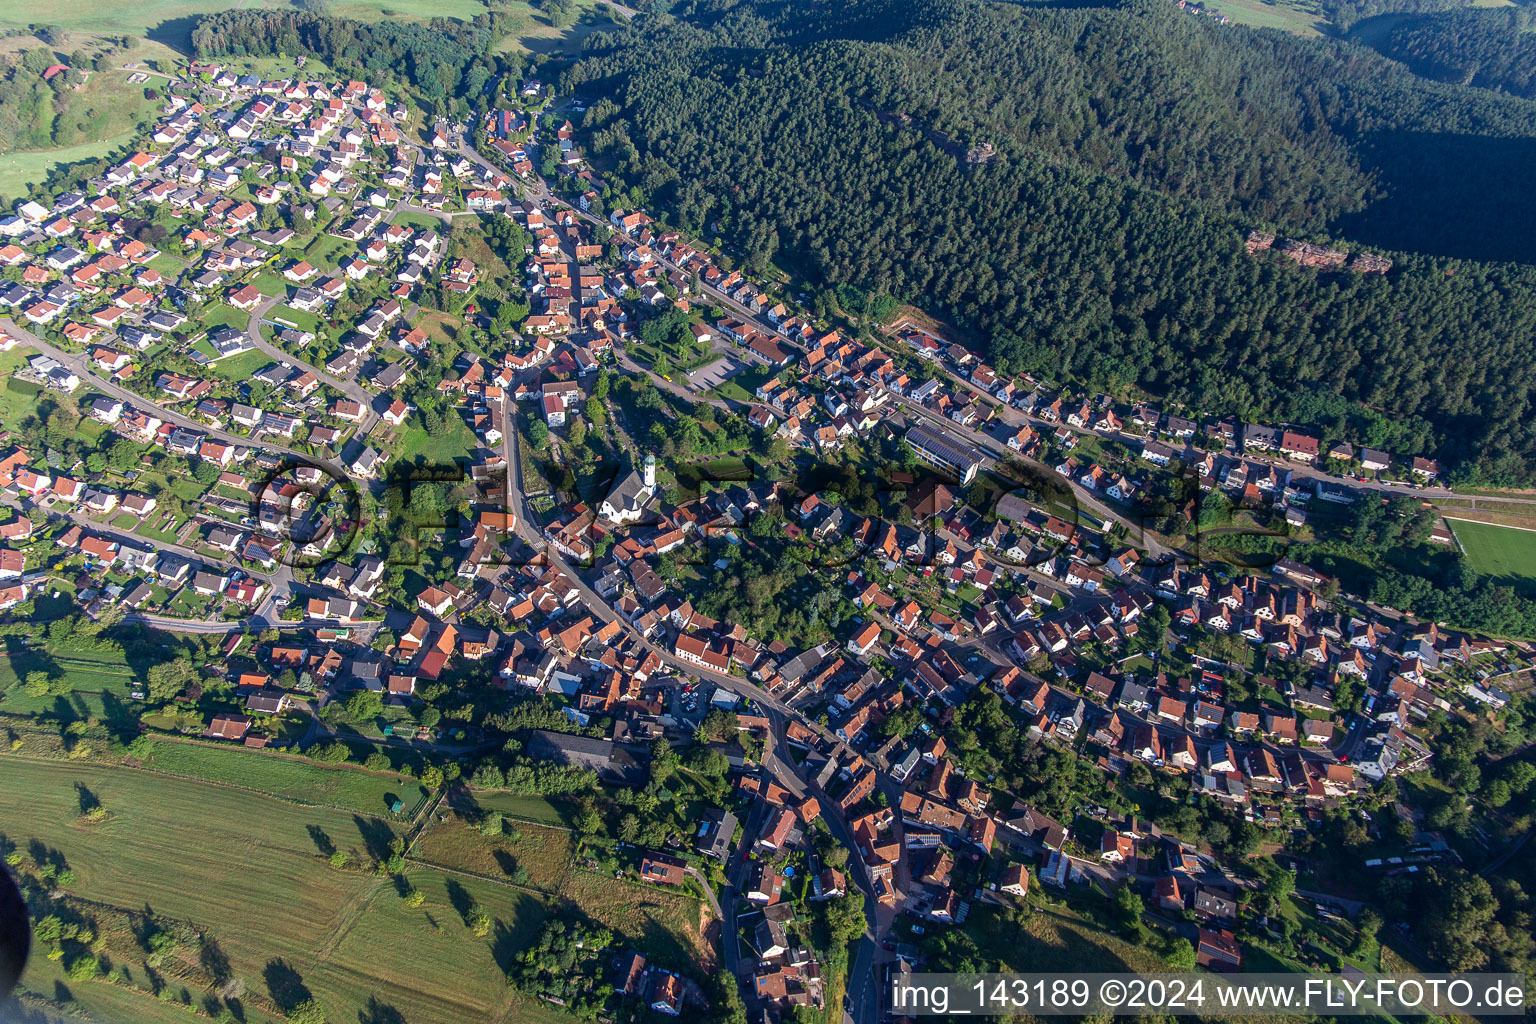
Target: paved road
176,625
351,389
81,365
863,994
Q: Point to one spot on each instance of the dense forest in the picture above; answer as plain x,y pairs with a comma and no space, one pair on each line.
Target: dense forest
1486,48
448,63
1102,239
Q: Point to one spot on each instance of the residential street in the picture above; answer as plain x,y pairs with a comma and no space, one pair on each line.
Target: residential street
350,388
81,365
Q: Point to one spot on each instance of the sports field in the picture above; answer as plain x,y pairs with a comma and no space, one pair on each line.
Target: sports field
1502,552
250,873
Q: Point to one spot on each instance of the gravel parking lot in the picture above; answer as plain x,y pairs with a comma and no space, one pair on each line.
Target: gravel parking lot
714,374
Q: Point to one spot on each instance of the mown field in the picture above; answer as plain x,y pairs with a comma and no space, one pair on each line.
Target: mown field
662,924
538,809
159,18
19,170
250,872
290,778
100,681
544,852
1503,552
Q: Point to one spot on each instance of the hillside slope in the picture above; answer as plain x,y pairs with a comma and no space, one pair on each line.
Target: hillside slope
1133,146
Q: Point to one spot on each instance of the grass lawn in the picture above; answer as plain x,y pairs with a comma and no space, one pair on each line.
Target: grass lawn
1505,553
1053,939
539,809
300,319
167,535
168,265
440,326
219,314
270,284
411,219
186,488
241,367
17,397
455,444
327,251
742,387
289,778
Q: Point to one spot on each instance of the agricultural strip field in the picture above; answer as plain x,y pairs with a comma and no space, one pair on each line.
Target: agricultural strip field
1505,553
258,887
289,778
100,681
661,924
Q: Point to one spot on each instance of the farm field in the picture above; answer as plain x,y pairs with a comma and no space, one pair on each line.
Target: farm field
20,170
258,885
1505,553
289,778
160,19
45,986
660,923
100,681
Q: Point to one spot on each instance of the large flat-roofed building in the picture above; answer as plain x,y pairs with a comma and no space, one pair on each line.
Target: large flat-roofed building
945,451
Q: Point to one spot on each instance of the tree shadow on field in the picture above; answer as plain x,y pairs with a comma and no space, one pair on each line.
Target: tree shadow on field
460,898
376,836
119,718
174,32
284,984
506,944
379,1013
214,960
321,840
88,801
